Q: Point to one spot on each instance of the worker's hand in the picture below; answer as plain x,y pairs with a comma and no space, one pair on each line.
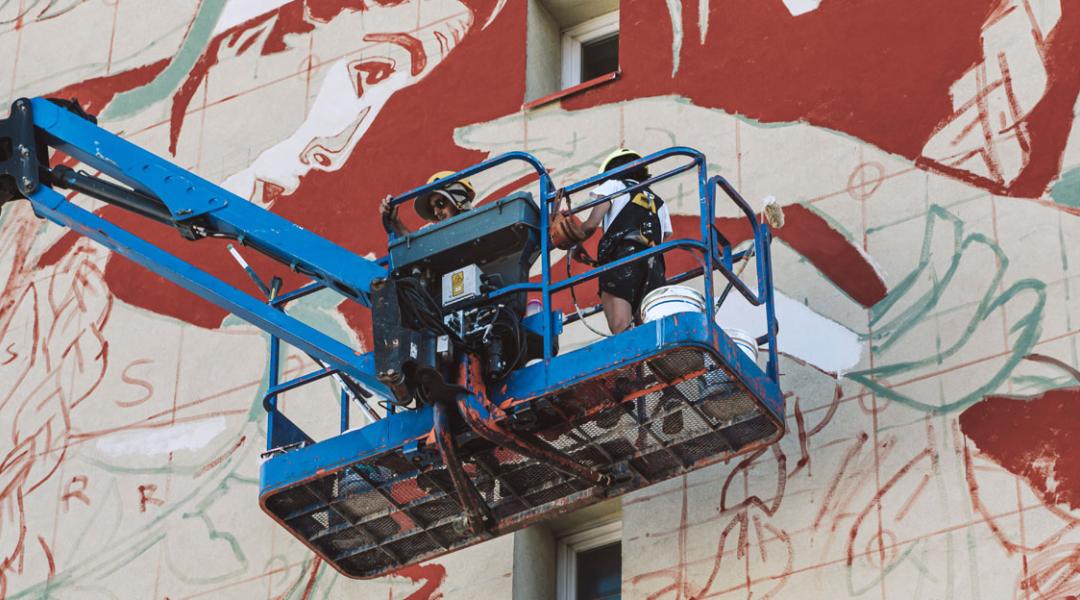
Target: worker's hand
389,212
580,254
561,205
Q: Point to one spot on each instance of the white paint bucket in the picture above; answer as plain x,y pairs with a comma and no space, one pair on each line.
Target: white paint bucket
744,341
669,300
533,306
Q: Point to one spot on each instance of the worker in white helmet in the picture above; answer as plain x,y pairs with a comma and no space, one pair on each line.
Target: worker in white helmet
631,223
437,205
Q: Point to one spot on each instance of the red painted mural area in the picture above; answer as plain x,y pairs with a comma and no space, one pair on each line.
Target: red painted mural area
880,71
828,67
865,70
431,575
1034,438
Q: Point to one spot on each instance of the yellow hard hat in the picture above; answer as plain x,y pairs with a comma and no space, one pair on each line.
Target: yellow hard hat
459,193
627,153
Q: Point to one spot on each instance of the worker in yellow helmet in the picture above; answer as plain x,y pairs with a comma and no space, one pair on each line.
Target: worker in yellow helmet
437,205
631,223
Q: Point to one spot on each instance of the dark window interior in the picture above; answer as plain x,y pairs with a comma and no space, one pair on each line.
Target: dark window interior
599,573
599,57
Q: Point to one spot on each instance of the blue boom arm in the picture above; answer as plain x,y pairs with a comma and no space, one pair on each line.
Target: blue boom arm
198,208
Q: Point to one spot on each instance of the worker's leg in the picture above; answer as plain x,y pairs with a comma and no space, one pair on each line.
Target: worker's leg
649,276
619,287
618,312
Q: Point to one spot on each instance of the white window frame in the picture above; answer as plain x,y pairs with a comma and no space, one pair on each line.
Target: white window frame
583,33
569,546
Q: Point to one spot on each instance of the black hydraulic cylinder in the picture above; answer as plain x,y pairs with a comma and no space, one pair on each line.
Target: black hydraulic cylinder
141,204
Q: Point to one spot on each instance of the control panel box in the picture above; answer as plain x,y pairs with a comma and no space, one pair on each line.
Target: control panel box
460,284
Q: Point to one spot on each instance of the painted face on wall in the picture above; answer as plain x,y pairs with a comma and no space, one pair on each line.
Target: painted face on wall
233,124
353,89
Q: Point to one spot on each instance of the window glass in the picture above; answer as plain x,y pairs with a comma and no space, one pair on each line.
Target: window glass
599,573
599,57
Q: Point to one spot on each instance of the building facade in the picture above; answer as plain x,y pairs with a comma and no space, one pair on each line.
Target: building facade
925,154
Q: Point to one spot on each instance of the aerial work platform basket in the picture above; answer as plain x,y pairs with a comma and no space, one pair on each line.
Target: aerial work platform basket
482,433
653,415
661,399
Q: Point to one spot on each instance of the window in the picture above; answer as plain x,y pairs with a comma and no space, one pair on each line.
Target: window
599,57
589,564
576,556
569,42
590,49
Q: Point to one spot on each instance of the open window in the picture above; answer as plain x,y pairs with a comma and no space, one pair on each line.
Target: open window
590,49
570,43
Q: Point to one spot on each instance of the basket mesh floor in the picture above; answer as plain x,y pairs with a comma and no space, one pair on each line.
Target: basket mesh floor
667,415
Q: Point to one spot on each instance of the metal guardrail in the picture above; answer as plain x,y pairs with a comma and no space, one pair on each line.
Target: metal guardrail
714,251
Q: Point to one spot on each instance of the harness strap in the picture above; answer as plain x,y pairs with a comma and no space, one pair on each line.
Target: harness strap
646,201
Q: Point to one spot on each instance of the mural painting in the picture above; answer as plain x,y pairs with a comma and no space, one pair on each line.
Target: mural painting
926,155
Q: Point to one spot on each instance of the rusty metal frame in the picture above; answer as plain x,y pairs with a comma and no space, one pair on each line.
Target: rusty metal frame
481,416
476,510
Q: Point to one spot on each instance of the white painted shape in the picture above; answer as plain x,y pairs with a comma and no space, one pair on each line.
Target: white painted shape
675,12
158,441
498,9
870,261
703,19
1046,466
963,88
1011,39
804,333
339,113
1047,14
238,11
335,110
801,7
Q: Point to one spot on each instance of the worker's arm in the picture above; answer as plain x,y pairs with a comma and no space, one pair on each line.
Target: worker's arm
391,220
596,217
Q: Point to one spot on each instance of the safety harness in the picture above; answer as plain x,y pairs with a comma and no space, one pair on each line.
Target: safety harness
637,223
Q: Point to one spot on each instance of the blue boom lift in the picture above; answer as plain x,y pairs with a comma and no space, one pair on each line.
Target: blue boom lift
487,428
